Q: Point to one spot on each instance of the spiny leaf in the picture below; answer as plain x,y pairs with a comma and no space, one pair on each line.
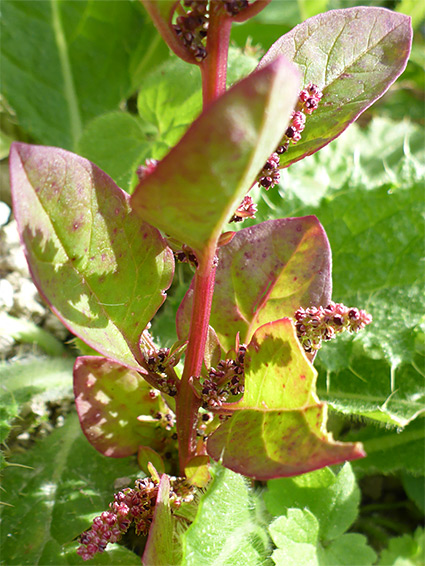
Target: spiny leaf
85,248
265,273
277,434
353,55
196,188
63,484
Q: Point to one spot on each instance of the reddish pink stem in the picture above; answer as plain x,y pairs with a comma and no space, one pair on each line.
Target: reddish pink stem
214,72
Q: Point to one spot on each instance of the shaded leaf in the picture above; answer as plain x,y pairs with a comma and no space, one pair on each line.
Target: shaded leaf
391,450
101,268
353,55
265,273
58,71
277,433
405,550
117,143
66,485
236,133
109,397
26,331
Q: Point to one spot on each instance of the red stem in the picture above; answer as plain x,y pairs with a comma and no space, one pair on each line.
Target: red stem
214,66
214,72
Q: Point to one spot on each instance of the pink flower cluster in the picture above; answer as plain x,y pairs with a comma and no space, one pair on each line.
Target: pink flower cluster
308,101
129,506
192,27
144,170
317,323
246,209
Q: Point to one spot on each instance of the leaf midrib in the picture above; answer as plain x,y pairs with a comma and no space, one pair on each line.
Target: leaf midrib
75,121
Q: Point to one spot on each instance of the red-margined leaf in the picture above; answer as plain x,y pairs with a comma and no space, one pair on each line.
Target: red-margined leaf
109,399
353,55
279,427
101,269
265,273
196,188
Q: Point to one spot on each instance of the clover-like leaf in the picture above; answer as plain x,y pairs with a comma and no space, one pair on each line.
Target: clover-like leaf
265,273
353,55
109,399
102,269
195,189
279,427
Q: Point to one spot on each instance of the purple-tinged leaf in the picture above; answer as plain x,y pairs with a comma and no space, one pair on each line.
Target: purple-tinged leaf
196,188
102,269
265,273
160,545
279,427
353,55
109,399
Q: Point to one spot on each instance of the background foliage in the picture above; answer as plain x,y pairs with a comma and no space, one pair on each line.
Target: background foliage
119,101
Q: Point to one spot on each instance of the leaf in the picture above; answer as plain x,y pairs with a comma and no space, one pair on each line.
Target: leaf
277,433
28,332
58,69
228,529
117,143
332,498
405,550
391,450
317,508
101,268
170,99
159,547
353,55
53,501
236,133
109,397
265,273
41,380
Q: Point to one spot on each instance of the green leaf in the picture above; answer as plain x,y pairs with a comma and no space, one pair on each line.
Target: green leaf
109,399
160,544
117,142
317,508
236,133
63,63
353,55
40,380
279,427
228,529
405,550
171,98
415,489
101,268
390,450
28,332
332,498
296,537
53,501
265,273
